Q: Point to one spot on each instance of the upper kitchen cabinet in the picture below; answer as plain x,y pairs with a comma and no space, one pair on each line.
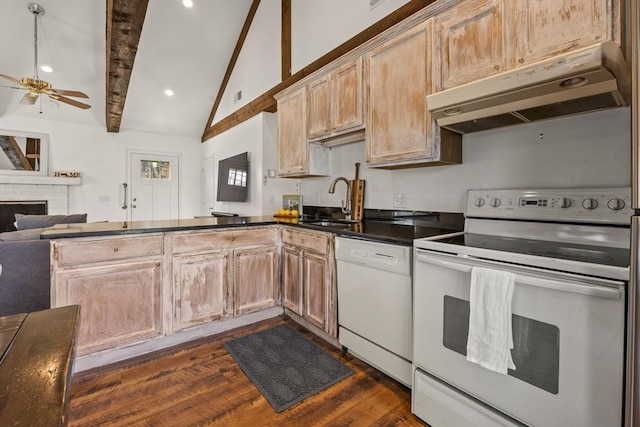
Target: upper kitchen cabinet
335,105
400,130
469,43
480,38
545,28
296,157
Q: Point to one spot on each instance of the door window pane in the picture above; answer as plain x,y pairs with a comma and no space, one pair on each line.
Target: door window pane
155,169
536,345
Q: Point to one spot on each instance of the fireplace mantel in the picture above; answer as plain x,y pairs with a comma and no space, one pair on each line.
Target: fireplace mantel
53,189
39,180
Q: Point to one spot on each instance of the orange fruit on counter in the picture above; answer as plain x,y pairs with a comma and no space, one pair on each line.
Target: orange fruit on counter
295,212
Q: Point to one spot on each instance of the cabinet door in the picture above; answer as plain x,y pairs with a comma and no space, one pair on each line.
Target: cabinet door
200,284
292,279
469,43
316,284
545,28
120,303
255,279
293,149
398,121
319,108
347,96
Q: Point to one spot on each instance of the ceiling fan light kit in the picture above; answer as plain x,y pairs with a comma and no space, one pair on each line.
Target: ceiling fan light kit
34,85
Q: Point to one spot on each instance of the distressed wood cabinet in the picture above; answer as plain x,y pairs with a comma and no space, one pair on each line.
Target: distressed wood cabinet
335,105
117,281
222,273
296,157
480,38
308,279
255,279
201,284
400,130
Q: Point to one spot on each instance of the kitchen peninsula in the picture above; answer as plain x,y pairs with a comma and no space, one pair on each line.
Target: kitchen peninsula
144,286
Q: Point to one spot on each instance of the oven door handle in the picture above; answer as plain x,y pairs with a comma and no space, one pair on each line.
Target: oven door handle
559,285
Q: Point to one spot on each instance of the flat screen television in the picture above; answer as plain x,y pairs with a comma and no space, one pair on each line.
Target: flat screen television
233,178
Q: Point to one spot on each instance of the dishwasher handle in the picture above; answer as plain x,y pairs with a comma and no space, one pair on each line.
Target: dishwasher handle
559,285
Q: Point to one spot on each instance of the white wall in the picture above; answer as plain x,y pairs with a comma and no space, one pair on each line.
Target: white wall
319,26
582,151
102,159
257,136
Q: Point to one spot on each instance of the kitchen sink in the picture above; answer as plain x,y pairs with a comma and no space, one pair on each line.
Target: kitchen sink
328,223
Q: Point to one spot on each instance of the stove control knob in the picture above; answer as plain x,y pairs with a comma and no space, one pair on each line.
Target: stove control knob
589,204
616,204
495,202
479,202
565,203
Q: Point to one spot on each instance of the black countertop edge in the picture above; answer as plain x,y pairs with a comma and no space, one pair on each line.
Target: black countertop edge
374,230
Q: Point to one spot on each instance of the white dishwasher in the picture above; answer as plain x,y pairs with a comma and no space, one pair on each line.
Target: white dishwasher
375,304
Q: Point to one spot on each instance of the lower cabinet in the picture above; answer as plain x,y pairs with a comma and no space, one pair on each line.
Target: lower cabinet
201,283
308,278
133,289
223,273
120,299
255,279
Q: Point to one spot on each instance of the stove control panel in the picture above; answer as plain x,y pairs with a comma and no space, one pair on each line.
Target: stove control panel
589,205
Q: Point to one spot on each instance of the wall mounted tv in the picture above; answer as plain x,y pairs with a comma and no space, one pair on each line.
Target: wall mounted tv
233,178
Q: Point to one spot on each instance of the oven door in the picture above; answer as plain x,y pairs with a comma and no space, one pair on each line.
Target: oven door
568,335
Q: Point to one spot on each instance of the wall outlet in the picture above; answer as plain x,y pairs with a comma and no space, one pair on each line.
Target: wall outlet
298,187
399,200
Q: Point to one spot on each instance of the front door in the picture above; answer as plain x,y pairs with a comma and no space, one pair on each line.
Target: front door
154,186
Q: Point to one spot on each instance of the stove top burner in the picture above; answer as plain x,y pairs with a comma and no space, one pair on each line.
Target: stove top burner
602,255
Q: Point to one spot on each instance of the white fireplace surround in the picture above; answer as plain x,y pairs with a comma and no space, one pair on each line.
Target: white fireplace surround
54,190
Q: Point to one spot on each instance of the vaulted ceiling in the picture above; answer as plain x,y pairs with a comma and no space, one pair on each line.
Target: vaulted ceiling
124,54
186,50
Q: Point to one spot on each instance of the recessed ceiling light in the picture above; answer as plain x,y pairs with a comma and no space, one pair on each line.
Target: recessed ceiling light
46,68
168,92
187,3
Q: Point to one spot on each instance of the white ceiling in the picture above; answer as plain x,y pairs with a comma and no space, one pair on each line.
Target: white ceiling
186,50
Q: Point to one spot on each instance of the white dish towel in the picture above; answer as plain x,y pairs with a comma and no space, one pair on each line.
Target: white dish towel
490,331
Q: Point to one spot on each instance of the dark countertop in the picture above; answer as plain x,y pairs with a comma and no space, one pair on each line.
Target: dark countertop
396,230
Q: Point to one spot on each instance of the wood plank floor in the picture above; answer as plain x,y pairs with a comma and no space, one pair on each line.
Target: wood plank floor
199,384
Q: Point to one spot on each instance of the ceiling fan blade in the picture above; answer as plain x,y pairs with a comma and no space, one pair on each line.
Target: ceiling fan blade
70,101
74,93
29,99
12,87
11,79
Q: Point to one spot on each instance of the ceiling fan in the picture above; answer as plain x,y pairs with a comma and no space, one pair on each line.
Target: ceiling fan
34,85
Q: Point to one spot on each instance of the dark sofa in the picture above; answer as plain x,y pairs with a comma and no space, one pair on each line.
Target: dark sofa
25,278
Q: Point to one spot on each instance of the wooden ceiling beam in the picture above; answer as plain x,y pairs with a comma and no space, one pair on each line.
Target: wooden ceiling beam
286,40
234,59
266,101
14,153
124,26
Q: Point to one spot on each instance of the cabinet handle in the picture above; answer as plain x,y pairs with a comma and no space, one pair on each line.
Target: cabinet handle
232,238
157,264
496,67
521,60
115,249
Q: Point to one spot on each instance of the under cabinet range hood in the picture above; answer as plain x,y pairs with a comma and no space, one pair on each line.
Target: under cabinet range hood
589,79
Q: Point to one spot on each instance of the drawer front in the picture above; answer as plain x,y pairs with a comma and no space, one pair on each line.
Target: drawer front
316,242
216,240
87,252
